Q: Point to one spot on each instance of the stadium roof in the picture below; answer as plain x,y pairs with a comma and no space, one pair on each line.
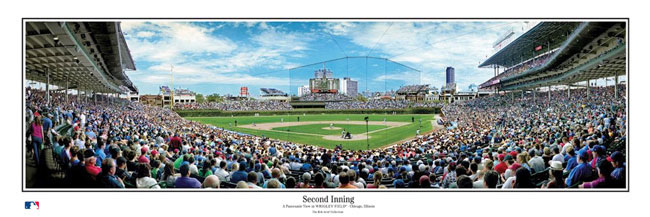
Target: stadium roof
413,89
90,55
272,92
548,35
594,50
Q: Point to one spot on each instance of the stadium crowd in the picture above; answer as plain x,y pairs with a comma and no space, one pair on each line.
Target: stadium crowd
379,104
325,97
244,105
489,142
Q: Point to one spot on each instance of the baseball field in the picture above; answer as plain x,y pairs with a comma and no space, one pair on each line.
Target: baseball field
326,130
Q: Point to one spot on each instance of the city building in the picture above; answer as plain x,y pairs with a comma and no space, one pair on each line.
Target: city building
303,90
133,96
450,78
151,100
349,87
180,96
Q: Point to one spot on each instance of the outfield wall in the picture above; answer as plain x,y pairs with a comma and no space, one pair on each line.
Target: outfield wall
216,113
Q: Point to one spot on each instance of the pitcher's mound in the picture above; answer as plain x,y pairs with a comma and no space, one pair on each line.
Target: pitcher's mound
355,137
333,128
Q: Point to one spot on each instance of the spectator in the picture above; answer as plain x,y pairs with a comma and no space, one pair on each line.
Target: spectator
143,178
241,174
618,174
376,180
306,178
91,164
450,177
107,178
185,181
537,162
556,173
37,136
522,179
205,170
221,172
582,172
464,182
604,180
502,166
344,180
252,180
275,173
169,175
490,179
211,181
242,184
572,161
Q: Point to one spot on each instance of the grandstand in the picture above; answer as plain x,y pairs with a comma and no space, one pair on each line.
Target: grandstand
560,53
87,56
413,92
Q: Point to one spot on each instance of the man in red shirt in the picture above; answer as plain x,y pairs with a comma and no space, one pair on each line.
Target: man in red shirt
91,166
502,166
175,142
143,156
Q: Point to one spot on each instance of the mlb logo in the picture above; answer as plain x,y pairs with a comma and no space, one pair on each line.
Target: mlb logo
32,205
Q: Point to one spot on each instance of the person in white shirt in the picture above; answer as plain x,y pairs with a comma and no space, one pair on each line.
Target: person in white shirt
537,162
221,172
557,156
144,179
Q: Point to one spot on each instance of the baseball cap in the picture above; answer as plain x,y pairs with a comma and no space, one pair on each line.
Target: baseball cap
599,149
617,156
501,157
88,153
508,157
583,154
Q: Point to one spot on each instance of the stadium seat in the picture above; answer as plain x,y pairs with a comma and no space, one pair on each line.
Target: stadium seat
56,174
227,185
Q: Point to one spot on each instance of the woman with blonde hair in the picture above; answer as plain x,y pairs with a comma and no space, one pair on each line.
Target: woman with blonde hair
376,180
522,159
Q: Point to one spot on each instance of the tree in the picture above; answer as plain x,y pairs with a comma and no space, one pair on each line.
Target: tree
199,98
362,98
214,98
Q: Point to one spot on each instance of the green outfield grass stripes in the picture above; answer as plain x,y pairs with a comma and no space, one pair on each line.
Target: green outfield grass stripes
378,139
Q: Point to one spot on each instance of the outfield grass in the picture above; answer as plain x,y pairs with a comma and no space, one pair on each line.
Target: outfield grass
378,139
323,129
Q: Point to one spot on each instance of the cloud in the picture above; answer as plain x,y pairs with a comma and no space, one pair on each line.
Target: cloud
244,52
201,56
174,41
338,28
144,34
429,46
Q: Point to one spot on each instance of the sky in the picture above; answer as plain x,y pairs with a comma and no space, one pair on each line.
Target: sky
220,57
